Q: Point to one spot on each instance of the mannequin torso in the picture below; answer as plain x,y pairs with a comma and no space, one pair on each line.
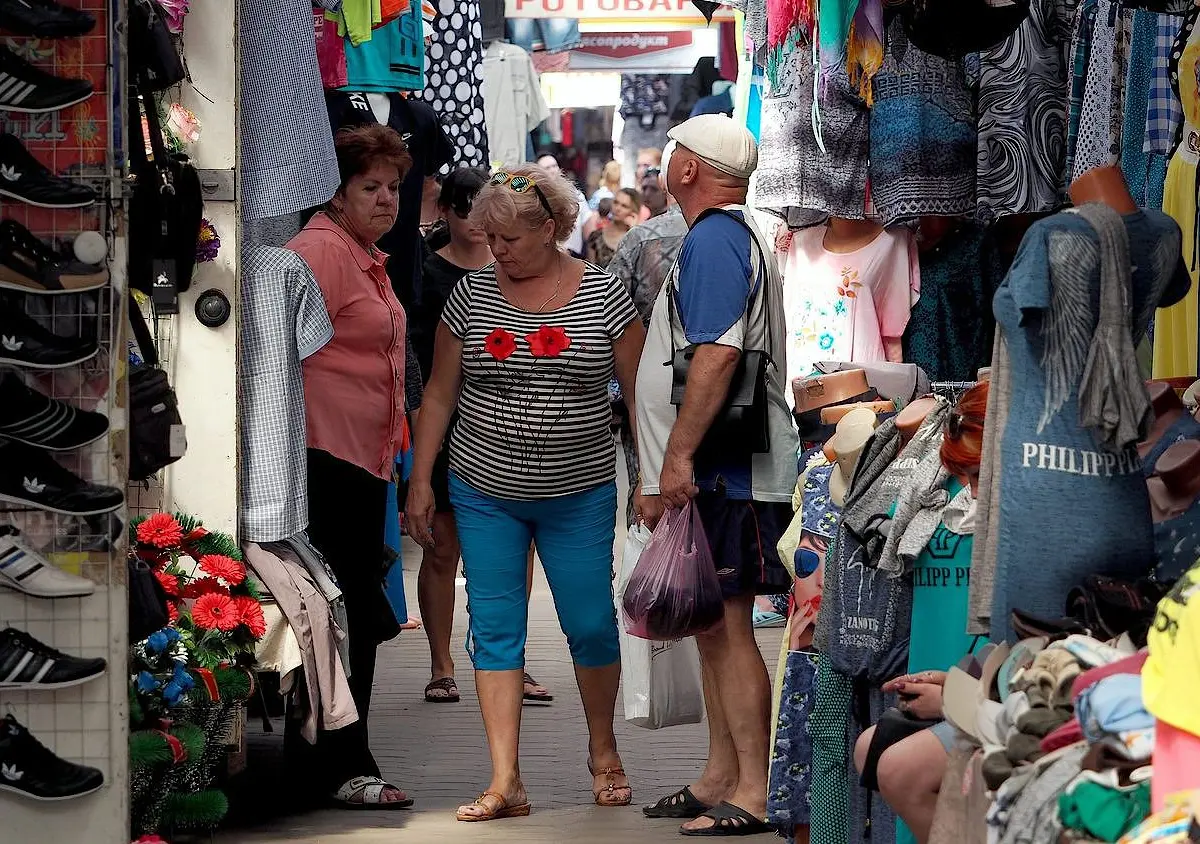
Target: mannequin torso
1167,410
1176,486
909,420
828,390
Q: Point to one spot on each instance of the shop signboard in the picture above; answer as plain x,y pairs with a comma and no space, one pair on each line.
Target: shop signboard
681,11
643,52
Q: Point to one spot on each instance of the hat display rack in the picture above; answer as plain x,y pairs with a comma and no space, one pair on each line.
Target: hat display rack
62,466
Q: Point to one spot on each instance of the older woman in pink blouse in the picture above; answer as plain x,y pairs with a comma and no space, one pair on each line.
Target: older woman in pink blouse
354,409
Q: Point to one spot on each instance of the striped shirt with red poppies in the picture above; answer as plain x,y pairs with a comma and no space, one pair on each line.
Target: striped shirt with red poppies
534,416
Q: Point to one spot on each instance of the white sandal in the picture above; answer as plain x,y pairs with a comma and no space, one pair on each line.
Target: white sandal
370,790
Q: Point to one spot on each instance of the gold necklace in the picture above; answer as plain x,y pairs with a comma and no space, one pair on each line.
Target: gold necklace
553,295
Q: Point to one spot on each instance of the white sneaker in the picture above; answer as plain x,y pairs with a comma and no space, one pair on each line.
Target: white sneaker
23,569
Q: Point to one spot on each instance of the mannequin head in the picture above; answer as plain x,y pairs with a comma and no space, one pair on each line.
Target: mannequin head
962,443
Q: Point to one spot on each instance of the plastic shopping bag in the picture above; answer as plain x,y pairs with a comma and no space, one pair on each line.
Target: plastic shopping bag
673,591
660,681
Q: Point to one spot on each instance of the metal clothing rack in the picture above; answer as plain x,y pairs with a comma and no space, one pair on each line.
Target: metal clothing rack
952,391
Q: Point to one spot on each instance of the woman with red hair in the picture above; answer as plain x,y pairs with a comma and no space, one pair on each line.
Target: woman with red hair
904,762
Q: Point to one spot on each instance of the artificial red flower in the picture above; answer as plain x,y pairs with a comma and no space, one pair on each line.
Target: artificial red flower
500,344
170,583
150,839
172,612
215,611
160,530
250,614
203,586
548,342
226,568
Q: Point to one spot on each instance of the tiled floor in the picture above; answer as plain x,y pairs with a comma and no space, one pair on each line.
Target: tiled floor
436,752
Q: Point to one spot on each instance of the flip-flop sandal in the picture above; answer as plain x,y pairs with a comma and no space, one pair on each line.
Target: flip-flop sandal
371,790
764,618
447,685
611,794
682,805
495,808
536,698
729,820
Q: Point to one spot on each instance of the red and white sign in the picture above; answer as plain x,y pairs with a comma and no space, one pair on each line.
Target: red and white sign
675,10
622,45
644,52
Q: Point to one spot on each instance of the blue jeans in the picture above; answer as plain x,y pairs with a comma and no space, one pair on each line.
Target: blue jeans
574,538
554,34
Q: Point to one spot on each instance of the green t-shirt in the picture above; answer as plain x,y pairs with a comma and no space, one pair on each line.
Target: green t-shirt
941,580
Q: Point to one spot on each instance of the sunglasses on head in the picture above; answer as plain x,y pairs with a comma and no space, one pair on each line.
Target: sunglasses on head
521,184
955,421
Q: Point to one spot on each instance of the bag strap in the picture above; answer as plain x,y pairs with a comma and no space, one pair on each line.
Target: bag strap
763,275
141,333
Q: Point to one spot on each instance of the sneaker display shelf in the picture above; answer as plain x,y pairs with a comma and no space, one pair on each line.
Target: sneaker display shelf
63,733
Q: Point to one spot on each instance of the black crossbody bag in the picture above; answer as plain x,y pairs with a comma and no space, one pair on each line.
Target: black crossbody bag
165,211
155,426
744,417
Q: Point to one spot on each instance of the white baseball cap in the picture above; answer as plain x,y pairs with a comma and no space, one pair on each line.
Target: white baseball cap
720,142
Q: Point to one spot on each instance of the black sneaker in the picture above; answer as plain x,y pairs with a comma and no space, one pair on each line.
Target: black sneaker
31,477
31,418
27,664
25,342
29,769
30,265
44,19
23,177
25,88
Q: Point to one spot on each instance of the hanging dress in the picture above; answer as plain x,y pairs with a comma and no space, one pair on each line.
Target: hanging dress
1175,329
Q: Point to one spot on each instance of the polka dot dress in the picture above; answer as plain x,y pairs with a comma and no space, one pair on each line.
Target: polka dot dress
454,79
828,795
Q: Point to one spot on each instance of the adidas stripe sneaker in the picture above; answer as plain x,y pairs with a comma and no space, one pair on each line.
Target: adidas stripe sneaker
44,19
24,570
25,88
24,178
26,663
29,769
32,418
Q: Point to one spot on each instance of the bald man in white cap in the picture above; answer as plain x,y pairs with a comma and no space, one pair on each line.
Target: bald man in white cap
728,300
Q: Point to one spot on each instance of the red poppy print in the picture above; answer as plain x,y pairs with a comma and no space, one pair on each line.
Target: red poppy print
500,344
548,342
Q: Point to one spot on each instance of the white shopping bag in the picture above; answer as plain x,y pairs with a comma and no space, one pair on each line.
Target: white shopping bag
660,680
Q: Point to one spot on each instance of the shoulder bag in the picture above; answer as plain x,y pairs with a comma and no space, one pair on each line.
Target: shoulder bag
165,211
744,417
155,426
153,57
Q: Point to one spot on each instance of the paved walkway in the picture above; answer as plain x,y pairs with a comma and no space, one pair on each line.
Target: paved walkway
436,752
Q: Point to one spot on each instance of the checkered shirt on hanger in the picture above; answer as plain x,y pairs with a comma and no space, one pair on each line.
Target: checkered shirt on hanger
282,321
1163,111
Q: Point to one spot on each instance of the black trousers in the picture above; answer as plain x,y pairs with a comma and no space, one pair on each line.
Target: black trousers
346,517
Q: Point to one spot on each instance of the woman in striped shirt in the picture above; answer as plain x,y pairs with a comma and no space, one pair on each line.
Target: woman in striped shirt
524,353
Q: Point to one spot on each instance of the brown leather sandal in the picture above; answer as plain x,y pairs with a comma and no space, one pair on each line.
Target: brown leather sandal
612,794
495,807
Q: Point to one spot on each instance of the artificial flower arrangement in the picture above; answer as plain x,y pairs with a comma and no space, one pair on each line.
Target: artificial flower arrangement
188,679
208,243
174,11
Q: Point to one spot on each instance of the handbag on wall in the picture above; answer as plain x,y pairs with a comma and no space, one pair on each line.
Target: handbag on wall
165,211
156,433
153,58
744,418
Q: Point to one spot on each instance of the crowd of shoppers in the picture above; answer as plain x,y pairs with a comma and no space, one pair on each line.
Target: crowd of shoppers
517,339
